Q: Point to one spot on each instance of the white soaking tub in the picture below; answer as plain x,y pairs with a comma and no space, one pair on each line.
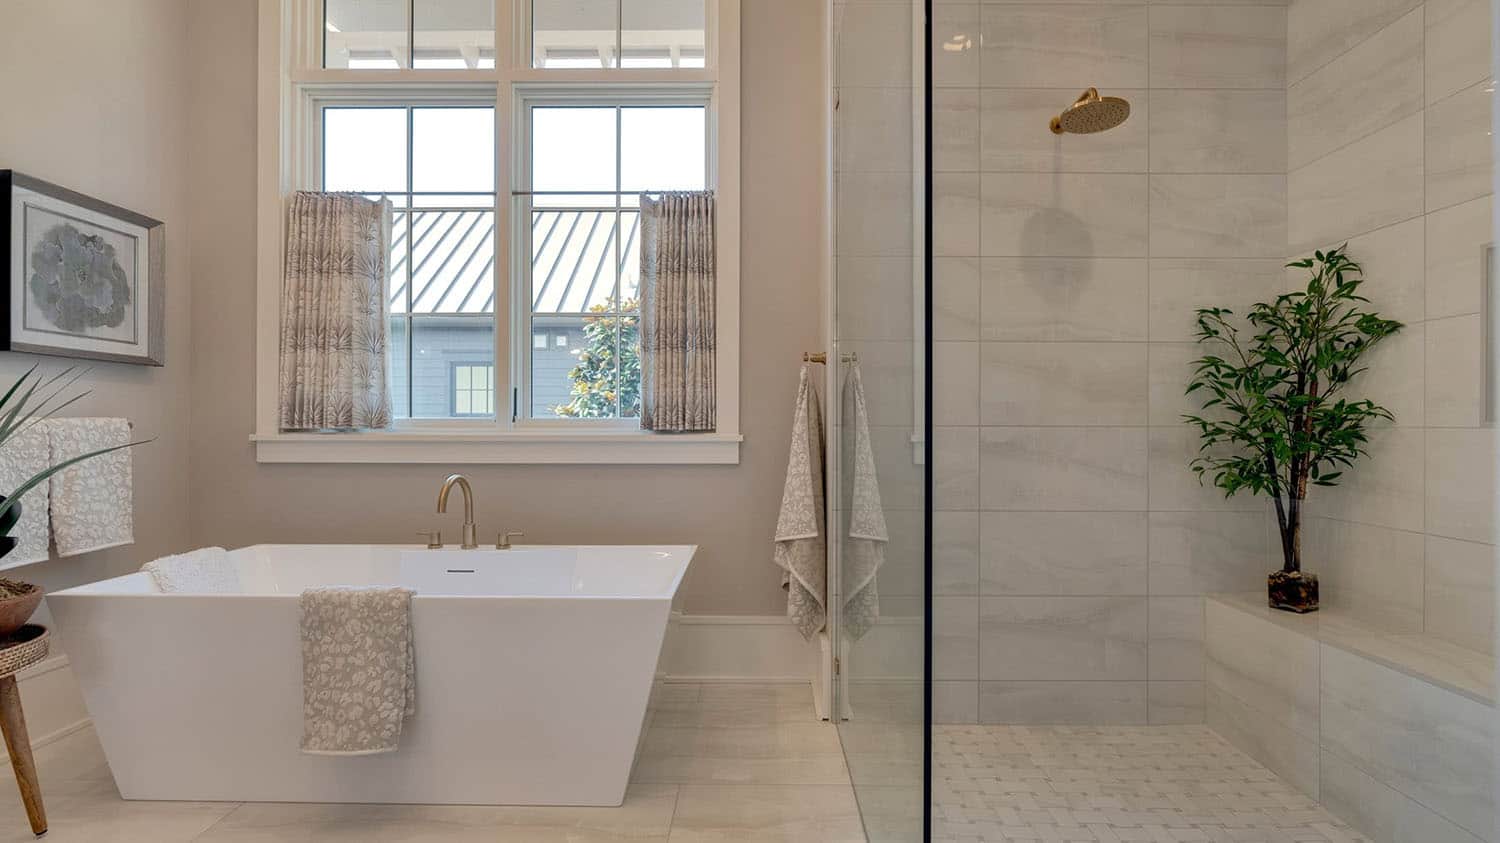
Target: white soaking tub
534,666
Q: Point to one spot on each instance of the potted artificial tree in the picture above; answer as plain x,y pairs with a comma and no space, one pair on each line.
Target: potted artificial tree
1275,419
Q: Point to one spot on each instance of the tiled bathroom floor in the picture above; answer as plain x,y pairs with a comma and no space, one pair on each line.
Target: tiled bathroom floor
721,762
1152,783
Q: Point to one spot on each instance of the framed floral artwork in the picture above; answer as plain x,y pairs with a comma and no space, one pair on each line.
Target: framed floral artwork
87,278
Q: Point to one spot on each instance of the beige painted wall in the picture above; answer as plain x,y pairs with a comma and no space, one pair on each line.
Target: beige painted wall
96,100
729,511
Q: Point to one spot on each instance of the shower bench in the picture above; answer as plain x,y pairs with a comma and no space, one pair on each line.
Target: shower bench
1389,730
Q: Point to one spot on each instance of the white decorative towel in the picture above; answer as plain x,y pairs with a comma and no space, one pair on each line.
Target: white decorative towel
92,503
206,570
359,679
865,552
23,457
801,551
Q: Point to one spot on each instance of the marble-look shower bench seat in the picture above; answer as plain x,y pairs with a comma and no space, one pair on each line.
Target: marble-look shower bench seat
1391,732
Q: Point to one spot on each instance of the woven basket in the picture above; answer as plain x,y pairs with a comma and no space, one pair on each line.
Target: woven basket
27,647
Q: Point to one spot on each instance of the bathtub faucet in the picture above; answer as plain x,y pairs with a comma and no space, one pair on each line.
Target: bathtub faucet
471,533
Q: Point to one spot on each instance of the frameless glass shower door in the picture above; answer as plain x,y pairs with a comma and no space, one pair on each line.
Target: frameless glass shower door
877,407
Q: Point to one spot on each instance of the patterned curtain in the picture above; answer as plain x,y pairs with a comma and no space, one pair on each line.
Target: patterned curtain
335,314
678,260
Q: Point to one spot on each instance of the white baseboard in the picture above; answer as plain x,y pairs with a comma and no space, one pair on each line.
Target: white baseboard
53,704
736,648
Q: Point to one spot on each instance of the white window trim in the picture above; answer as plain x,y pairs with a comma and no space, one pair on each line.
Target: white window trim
289,80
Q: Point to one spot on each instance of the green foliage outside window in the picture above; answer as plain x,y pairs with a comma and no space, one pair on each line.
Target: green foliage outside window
595,387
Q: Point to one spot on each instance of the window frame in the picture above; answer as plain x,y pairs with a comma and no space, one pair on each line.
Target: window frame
292,89
527,99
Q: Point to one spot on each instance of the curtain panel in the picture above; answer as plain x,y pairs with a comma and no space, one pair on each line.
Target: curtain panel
678,316
335,314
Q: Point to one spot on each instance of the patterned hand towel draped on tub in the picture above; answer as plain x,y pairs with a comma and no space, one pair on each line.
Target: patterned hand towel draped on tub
359,669
801,551
335,314
678,319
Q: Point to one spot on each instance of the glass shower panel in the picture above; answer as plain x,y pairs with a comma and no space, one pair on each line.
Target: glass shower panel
877,409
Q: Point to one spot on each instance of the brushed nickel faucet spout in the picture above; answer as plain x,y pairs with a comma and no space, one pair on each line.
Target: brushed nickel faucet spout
471,532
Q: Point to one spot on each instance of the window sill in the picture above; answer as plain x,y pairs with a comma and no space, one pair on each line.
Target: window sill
490,447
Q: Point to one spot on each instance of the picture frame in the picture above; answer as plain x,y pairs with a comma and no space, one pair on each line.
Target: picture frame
86,278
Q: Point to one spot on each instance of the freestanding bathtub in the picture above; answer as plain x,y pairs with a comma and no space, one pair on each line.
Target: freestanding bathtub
534,667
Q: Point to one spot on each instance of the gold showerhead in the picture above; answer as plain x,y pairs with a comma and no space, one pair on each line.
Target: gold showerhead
1091,113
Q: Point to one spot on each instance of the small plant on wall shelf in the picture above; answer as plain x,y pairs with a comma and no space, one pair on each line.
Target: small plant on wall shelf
1275,419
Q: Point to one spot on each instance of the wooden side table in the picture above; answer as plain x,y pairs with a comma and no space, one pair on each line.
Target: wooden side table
22,650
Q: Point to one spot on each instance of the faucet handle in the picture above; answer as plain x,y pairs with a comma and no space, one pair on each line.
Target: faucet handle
502,542
434,538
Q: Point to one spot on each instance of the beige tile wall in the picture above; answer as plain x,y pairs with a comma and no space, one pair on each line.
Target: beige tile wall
1072,546
1389,143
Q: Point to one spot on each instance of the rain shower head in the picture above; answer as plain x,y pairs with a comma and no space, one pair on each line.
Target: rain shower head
1091,113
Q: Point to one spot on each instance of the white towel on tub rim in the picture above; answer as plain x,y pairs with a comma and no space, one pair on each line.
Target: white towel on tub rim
93,505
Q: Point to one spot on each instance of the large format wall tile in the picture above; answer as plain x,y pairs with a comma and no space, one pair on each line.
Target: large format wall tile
1393,377
1426,742
1054,703
1225,131
955,702
874,297
1082,638
1063,383
1051,299
955,45
1461,483
1169,366
1179,286
866,143
885,228
1372,573
1290,755
1063,46
1458,45
1373,808
1460,147
1175,638
1237,216
1383,488
1460,592
872,33
1174,487
1218,47
1319,31
955,299
1014,136
955,468
955,401
1455,371
1174,703
1369,184
1360,92
1063,215
1392,259
1455,257
1055,553
955,553
955,131
955,215
1062,468
1207,552
955,637
1267,668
